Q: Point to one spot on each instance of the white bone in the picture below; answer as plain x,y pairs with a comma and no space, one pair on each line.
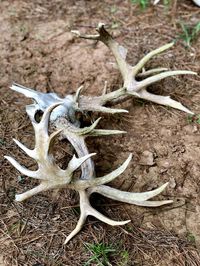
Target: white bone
77,162
30,153
22,169
139,198
104,179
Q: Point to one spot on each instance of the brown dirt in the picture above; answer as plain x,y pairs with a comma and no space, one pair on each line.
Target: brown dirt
37,50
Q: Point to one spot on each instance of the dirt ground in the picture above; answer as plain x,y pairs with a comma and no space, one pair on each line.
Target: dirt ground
37,50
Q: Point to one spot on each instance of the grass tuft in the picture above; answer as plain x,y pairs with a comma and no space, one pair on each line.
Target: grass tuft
189,33
99,254
143,3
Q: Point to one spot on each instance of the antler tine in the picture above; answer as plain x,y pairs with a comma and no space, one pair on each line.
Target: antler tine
22,169
78,227
31,192
29,93
150,72
77,95
77,162
163,100
146,58
86,36
42,138
87,131
87,210
148,81
84,184
46,115
140,198
30,153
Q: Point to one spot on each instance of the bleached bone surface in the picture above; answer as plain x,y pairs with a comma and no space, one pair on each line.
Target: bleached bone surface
52,177
60,112
197,2
130,74
44,100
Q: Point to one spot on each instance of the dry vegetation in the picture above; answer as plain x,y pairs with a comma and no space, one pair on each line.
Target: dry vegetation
38,51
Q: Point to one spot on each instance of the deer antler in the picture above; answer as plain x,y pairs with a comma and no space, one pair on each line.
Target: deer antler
52,177
131,86
61,113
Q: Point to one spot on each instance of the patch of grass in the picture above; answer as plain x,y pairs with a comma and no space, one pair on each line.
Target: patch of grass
2,142
21,179
129,228
166,2
193,119
23,29
189,33
124,258
15,228
191,238
190,119
113,9
99,254
198,119
115,25
76,210
143,3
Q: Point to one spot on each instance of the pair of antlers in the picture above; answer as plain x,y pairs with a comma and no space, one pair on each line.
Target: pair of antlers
61,113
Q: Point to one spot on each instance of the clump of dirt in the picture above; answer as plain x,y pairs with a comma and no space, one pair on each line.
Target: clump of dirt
38,50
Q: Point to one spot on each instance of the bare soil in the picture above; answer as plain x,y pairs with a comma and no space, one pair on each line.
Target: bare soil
37,50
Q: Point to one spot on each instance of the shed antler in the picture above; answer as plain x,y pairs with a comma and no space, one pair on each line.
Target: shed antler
61,113
52,177
131,86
